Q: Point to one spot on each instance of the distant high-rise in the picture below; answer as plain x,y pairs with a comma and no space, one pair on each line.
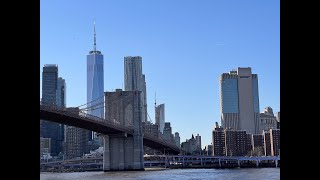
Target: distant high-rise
49,84
160,116
177,139
167,133
257,144
235,142
135,80
240,100
218,144
267,143
95,83
267,120
50,91
278,120
61,92
144,90
275,142
61,101
198,142
189,147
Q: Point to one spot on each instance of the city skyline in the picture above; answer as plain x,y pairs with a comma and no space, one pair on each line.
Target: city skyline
184,49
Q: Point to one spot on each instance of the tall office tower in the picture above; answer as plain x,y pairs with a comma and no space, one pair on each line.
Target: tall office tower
49,84
275,142
208,150
267,120
267,143
218,144
61,92
95,83
240,100
177,139
278,120
198,142
95,89
61,101
160,116
167,133
49,97
134,80
144,90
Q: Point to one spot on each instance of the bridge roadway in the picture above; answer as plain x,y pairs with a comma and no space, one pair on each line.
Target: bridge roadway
85,121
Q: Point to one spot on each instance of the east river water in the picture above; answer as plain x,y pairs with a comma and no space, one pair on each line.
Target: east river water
170,174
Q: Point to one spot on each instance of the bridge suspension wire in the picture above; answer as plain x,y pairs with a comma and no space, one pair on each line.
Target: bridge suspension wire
149,117
91,101
101,103
91,109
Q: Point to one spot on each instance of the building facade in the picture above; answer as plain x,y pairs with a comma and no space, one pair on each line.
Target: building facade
267,120
189,147
267,143
49,84
278,120
61,101
235,142
167,133
61,92
76,141
50,91
160,116
177,139
135,80
218,141
275,142
208,150
240,100
198,141
45,145
257,144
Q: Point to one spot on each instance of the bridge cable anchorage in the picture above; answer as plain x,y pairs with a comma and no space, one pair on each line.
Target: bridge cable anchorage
91,101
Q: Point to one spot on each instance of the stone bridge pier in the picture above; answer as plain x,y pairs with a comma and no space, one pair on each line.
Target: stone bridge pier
123,151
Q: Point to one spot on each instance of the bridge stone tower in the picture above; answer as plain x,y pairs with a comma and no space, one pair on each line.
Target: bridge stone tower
122,151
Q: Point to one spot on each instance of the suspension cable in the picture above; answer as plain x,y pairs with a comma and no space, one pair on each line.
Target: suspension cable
91,101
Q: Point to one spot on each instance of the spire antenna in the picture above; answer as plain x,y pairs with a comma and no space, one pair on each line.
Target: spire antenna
155,99
94,29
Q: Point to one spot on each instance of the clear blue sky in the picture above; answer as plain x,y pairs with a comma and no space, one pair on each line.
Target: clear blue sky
185,46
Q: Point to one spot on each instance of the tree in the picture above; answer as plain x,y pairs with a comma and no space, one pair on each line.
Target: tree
258,151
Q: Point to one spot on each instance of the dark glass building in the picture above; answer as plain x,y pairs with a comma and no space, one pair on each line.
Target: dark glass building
51,130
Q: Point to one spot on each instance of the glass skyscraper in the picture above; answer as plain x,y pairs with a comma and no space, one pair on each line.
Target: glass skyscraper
160,117
240,100
61,92
49,84
95,88
51,95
